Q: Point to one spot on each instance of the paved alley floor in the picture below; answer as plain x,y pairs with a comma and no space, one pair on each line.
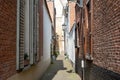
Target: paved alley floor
61,69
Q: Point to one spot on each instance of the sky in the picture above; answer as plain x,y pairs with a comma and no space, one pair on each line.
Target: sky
59,6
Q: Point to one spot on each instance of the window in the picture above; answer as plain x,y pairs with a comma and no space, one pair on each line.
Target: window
89,26
27,33
36,32
77,32
89,22
20,34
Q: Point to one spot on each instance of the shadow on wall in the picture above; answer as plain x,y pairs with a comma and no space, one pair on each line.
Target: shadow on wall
53,69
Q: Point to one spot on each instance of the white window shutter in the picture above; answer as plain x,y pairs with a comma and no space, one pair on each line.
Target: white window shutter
33,35
20,34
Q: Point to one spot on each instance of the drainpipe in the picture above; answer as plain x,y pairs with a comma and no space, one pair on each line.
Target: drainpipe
83,39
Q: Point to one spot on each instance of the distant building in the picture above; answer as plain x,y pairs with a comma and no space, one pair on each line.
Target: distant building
56,14
69,31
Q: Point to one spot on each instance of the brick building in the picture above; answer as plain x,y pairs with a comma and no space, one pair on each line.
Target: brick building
71,13
24,39
51,8
56,16
98,35
7,38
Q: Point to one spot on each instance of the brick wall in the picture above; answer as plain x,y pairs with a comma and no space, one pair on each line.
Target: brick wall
105,41
106,34
7,38
50,6
72,13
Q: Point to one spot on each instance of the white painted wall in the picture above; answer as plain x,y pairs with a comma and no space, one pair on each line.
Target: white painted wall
47,35
71,45
69,37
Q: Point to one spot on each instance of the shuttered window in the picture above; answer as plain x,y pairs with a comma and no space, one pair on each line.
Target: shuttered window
22,26
20,34
34,29
33,33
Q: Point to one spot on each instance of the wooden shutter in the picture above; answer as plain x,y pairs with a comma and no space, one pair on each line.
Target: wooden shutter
35,32
21,33
31,31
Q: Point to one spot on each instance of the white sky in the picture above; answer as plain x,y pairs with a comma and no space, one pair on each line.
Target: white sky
59,7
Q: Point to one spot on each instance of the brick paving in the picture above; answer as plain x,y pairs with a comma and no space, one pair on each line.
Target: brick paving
61,69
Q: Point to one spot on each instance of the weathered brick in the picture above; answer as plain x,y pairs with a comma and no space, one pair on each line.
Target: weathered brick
106,40
7,38
72,13
107,34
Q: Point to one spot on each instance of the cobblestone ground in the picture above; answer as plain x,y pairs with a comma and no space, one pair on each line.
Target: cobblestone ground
61,69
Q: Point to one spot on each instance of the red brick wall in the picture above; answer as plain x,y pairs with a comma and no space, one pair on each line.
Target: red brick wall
105,41
7,38
50,7
77,13
106,34
72,13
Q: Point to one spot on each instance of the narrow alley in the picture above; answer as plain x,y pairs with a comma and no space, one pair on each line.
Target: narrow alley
59,39
61,69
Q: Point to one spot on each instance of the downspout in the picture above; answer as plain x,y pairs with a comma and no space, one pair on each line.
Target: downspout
83,39
83,56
